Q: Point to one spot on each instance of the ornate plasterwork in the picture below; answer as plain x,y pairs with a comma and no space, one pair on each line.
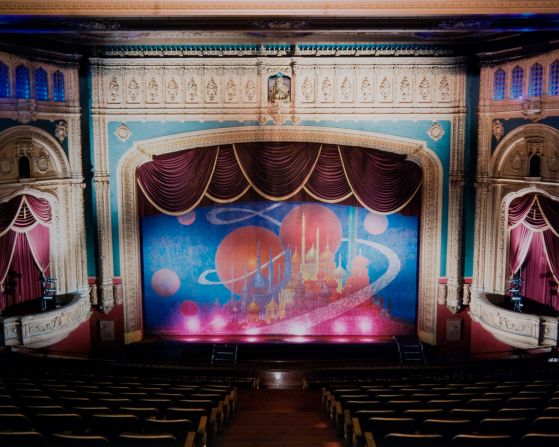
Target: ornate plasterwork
61,130
498,130
230,88
43,329
435,132
122,132
417,151
513,328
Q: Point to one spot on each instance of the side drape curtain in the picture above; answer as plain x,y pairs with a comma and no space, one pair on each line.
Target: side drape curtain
534,244
24,247
381,182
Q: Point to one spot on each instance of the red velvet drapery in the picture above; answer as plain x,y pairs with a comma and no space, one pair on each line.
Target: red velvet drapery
534,246
24,248
381,182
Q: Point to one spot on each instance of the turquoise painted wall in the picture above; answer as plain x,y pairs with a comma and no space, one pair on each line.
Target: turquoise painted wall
416,129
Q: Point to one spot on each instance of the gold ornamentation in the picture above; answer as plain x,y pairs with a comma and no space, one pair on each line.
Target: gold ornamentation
498,129
122,132
61,130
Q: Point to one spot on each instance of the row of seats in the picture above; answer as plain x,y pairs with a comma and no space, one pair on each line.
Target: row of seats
450,413
84,408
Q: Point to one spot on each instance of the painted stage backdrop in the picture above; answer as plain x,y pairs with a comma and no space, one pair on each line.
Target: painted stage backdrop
281,268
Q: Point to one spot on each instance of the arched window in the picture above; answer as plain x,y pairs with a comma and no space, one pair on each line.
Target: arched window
22,82
535,166
4,80
58,86
554,78
499,85
536,80
41,84
516,85
24,167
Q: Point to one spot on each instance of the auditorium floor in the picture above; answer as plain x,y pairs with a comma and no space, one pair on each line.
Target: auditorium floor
288,417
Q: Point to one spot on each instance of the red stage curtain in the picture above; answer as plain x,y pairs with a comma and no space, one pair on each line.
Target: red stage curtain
24,239
520,239
175,183
534,220
277,171
228,182
328,182
382,182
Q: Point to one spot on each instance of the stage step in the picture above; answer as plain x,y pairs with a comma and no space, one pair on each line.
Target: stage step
410,350
224,354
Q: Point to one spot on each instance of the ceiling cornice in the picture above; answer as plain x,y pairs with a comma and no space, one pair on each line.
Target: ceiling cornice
280,8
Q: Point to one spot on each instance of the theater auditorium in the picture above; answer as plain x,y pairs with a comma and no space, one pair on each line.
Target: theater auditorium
242,223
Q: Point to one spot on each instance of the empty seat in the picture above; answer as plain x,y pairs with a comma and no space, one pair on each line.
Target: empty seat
520,412
381,426
412,440
481,441
22,439
525,402
14,422
492,404
503,426
550,411
114,403
64,423
546,424
112,425
36,409
144,440
179,428
540,440
60,440
402,405
445,404
448,428
422,414
141,412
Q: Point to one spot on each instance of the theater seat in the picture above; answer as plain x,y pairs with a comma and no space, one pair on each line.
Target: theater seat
546,424
540,440
22,439
143,440
412,440
448,428
60,440
482,441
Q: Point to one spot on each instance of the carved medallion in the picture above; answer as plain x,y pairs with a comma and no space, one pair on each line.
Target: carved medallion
231,90
192,89
122,132
250,90
553,163
532,109
279,88
6,165
306,89
366,93
435,132
346,89
326,89
405,90
153,90
498,129
61,130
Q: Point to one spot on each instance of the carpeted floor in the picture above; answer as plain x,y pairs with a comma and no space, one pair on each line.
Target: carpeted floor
279,418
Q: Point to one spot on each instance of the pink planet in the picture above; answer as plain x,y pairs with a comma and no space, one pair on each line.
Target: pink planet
375,223
187,218
165,282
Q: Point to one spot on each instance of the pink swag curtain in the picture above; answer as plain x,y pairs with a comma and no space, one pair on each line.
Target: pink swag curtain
382,182
24,247
534,245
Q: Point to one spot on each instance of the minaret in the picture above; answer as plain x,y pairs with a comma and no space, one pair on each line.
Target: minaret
245,286
317,251
270,273
259,282
303,248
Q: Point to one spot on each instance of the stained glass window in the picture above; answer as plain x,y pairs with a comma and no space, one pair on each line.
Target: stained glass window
4,80
41,84
516,85
22,82
58,85
499,85
536,80
554,78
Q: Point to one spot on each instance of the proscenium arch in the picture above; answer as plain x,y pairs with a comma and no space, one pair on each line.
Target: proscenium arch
415,150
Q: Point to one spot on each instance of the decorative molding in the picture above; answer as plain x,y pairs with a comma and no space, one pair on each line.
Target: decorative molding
122,132
289,8
435,132
61,130
417,151
45,328
513,328
498,130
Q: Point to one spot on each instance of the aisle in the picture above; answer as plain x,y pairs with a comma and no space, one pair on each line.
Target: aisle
279,418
